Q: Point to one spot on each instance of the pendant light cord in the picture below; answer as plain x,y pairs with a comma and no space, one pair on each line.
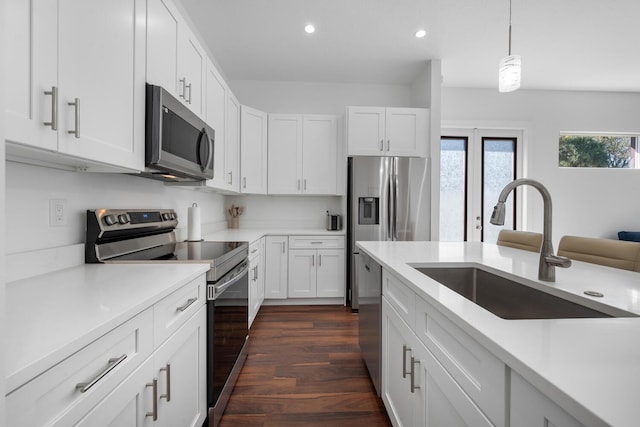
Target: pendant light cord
509,27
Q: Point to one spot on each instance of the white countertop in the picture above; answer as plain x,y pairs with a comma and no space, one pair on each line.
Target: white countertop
253,234
590,367
49,317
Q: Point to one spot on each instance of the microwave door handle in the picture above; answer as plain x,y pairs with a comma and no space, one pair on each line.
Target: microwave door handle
203,166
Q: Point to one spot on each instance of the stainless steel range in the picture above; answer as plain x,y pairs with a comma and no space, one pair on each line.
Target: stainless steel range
147,236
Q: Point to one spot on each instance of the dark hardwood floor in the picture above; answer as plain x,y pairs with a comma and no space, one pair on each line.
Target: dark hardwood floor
304,369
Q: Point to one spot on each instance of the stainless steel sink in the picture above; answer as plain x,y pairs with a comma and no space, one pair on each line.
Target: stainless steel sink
506,298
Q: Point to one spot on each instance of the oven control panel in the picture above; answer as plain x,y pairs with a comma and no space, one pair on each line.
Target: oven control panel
107,220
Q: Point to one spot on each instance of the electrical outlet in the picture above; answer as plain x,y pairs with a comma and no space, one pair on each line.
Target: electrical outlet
57,212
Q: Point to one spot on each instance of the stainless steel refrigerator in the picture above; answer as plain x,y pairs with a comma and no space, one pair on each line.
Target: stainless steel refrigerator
388,199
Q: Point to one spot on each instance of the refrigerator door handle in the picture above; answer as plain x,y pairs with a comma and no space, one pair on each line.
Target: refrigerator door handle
389,199
395,198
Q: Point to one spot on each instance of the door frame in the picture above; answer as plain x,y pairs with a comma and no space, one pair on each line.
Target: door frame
474,136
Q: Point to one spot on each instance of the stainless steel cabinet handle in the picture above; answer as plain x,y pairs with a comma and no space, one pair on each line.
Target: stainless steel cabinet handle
113,362
244,182
186,305
154,411
414,362
405,349
54,108
76,105
188,99
388,144
381,145
283,247
316,243
305,184
313,260
366,267
184,83
254,251
319,260
167,369
230,178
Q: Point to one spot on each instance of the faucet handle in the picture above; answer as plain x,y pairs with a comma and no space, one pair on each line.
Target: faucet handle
558,261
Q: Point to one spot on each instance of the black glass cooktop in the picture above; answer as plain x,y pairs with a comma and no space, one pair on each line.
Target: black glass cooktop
213,252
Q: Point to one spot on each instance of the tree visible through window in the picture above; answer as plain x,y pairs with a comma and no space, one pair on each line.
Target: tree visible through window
598,151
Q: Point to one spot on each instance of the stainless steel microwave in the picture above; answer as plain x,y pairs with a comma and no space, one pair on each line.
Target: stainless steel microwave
178,144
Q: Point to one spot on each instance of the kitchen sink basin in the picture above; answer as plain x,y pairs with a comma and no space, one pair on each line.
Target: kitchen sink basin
506,298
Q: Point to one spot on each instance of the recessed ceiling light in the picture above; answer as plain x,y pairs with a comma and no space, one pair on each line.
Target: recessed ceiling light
310,29
421,33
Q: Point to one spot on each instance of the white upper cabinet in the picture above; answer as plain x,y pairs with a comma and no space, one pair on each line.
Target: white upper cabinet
175,59
379,131
253,150
216,102
302,154
76,86
285,153
232,149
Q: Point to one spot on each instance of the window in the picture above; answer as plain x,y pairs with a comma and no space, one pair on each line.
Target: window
599,151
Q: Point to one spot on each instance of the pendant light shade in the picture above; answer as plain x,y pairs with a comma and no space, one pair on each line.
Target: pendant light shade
510,69
509,73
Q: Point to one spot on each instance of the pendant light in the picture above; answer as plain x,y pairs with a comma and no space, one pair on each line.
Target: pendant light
510,71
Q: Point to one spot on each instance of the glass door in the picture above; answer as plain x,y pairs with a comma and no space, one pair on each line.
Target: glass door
475,165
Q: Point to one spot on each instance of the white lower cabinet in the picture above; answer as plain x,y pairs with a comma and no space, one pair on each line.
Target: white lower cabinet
416,389
126,377
316,267
276,266
530,408
433,373
256,278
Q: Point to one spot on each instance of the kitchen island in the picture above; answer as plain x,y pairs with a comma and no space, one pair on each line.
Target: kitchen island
588,367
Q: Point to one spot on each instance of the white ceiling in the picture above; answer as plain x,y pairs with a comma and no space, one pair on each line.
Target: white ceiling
565,44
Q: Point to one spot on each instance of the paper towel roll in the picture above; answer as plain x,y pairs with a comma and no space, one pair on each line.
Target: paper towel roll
194,231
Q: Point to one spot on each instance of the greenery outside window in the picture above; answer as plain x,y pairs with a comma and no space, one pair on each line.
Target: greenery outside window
599,151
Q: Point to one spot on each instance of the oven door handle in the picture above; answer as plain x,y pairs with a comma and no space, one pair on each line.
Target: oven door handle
216,291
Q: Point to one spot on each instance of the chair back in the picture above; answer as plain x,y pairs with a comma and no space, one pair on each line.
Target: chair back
609,252
525,240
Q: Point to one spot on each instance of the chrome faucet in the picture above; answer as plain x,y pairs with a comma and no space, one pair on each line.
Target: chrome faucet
548,261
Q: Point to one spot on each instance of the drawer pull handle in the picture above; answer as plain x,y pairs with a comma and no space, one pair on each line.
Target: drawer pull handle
319,260
167,396
414,362
154,411
283,248
54,108
316,243
254,251
113,362
76,108
405,349
187,304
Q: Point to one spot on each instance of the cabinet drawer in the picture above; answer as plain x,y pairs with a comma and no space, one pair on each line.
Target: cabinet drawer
171,312
399,296
480,374
98,367
254,249
316,242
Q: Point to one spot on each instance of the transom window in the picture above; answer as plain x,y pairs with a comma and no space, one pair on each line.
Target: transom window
598,151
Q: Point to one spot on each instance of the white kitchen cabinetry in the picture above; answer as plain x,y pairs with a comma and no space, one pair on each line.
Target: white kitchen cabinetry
316,267
530,408
66,96
276,267
256,278
380,131
111,381
175,59
302,154
216,106
232,145
456,381
253,150
417,390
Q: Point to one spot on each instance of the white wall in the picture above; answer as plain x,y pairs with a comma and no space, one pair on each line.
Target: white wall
29,189
285,211
586,202
315,97
2,232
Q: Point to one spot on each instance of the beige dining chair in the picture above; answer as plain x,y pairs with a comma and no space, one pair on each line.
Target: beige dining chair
609,252
525,240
